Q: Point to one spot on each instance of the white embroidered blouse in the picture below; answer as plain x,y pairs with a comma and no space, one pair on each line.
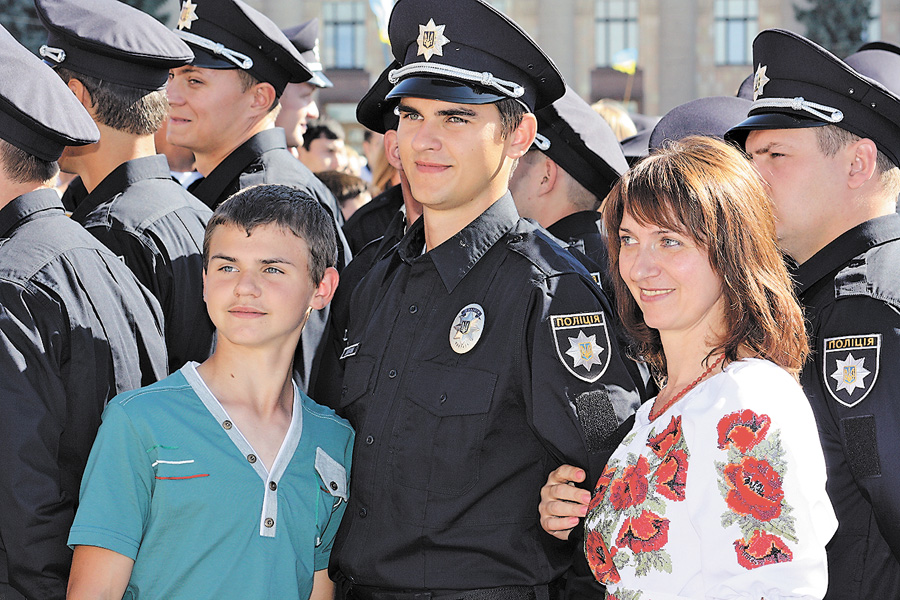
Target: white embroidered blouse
722,496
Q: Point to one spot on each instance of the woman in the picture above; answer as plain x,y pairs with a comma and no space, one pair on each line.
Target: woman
718,491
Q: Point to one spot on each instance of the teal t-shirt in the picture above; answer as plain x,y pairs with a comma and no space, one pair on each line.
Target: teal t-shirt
172,484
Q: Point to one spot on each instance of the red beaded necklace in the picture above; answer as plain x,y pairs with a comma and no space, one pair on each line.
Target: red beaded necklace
686,389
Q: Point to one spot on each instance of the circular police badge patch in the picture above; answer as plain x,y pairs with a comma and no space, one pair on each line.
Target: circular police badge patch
466,329
850,366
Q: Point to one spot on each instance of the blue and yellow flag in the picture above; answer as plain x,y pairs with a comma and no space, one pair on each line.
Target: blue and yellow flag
624,60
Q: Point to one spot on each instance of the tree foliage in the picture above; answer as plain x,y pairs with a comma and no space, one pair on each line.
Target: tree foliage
838,25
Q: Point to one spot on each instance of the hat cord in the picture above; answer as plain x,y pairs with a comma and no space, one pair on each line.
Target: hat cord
831,114
241,60
486,79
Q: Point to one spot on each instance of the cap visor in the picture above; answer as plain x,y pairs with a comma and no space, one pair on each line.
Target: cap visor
207,60
443,89
739,132
319,80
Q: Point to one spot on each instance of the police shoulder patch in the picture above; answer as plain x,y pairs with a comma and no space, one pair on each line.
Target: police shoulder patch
850,366
582,343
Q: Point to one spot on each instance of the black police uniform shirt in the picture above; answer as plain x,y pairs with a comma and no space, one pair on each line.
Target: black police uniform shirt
264,158
140,213
371,220
76,328
329,370
851,292
478,368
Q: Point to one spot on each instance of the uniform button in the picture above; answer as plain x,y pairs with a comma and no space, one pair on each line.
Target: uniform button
226,424
413,309
443,398
270,522
363,512
333,485
251,458
392,374
273,486
344,391
370,440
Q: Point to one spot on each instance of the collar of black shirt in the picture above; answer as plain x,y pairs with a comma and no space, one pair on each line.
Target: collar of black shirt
129,172
455,258
26,206
842,249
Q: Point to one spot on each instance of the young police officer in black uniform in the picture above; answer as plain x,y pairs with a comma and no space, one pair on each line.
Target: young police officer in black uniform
222,108
837,220
481,355
76,328
117,60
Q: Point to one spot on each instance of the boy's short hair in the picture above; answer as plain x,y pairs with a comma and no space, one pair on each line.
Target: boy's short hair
248,81
322,127
21,167
511,113
286,207
132,110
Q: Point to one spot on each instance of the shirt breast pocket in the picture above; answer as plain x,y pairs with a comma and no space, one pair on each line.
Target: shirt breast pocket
439,431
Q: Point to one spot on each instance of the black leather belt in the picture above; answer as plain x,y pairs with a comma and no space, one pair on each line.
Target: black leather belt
520,592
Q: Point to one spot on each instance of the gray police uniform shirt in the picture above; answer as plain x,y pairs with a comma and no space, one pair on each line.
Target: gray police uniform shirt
264,158
851,292
76,328
472,371
140,213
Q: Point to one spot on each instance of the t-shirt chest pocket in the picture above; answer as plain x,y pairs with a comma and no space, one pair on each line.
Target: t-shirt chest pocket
437,438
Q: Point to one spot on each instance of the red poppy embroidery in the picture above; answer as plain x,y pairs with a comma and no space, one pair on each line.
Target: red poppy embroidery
754,488
602,486
762,549
600,558
631,488
671,475
668,437
645,533
744,430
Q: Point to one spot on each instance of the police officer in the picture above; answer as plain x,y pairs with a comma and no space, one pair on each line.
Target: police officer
298,102
116,59
222,107
378,217
482,357
827,141
561,181
76,328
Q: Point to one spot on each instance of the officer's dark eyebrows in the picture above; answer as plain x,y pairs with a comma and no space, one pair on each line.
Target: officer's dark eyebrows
456,111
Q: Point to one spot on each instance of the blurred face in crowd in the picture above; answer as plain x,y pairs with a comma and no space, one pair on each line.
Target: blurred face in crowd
298,107
324,154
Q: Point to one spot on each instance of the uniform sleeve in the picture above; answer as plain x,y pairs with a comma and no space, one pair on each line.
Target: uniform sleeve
116,489
854,386
36,513
756,493
580,390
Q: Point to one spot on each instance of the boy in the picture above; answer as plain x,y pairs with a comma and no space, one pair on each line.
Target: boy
224,480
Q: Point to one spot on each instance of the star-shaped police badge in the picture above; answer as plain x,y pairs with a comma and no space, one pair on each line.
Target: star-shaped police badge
583,349
188,15
850,374
759,81
431,40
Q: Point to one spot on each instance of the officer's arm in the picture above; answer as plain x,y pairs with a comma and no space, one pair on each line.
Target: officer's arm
35,514
562,503
99,574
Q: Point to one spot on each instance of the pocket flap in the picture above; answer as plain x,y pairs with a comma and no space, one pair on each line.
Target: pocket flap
452,391
333,474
